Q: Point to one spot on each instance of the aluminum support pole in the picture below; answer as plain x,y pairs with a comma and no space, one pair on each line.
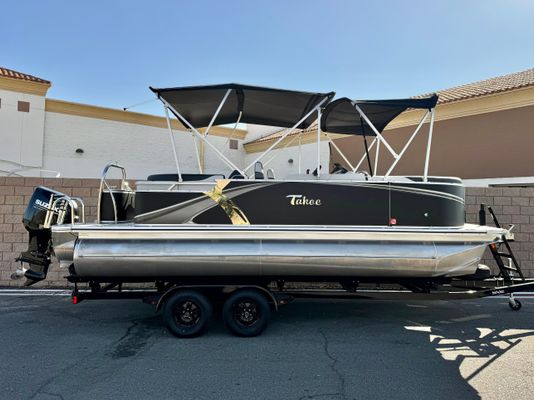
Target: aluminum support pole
285,146
300,154
378,135
206,132
217,112
376,158
318,142
394,164
173,144
429,144
285,134
226,144
201,137
299,138
197,153
339,151
364,155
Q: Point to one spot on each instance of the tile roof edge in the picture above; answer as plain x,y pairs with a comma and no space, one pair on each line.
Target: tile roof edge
21,76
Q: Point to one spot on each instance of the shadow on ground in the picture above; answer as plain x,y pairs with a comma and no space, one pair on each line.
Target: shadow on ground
435,350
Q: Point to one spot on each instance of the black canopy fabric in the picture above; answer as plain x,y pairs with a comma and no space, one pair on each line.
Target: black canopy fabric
340,116
258,105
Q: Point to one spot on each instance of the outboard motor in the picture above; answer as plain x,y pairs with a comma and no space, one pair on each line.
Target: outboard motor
35,221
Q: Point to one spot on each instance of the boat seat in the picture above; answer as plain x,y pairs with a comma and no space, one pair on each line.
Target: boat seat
270,174
258,170
125,202
236,175
185,177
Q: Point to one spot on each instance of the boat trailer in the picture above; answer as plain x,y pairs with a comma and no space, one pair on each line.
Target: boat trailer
246,307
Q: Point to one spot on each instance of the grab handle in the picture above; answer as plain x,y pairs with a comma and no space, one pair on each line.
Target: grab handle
59,206
103,183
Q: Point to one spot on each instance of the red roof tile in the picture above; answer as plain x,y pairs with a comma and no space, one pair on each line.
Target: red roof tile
9,73
486,87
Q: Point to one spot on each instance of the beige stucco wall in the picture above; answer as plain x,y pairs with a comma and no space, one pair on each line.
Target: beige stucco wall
496,144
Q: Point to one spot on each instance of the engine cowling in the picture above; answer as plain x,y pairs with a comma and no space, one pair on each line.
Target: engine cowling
37,256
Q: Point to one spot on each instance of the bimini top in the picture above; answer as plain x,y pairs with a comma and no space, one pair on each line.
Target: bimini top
341,115
248,104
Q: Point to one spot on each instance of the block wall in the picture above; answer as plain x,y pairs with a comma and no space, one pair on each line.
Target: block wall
15,193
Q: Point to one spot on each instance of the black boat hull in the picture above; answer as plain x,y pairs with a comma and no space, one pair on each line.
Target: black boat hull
302,203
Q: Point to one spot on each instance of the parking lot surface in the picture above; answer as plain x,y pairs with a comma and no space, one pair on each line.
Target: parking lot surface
319,349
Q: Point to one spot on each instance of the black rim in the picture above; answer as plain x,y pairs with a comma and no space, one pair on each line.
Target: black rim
187,313
246,312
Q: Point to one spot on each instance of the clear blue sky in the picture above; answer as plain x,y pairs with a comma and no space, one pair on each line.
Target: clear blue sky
108,52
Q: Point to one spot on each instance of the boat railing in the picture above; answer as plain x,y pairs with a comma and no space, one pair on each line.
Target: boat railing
59,206
104,184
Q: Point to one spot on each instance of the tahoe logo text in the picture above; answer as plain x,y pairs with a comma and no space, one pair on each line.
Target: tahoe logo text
301,200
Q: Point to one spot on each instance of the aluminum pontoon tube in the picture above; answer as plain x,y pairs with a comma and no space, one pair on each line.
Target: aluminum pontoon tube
152,251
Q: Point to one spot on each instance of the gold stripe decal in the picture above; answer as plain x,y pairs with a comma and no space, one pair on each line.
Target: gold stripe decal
235,214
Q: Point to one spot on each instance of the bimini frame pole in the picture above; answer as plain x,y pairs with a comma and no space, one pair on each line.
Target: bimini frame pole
414,134
300,153
282,148
376,158
206,132
221,104
201,137
173,144
331,141
429,144
197,153
226,144
378,135
364,155
318,141
287,133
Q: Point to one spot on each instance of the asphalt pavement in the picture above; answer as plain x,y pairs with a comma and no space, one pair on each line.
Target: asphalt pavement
313,349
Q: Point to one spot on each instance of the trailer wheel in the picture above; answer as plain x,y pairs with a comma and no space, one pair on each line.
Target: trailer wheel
514,304
187,313
246,313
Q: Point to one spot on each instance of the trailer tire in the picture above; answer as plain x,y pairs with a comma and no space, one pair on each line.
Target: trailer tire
187,313
246,313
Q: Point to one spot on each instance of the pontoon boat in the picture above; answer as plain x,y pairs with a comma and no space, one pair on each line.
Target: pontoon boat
250,228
